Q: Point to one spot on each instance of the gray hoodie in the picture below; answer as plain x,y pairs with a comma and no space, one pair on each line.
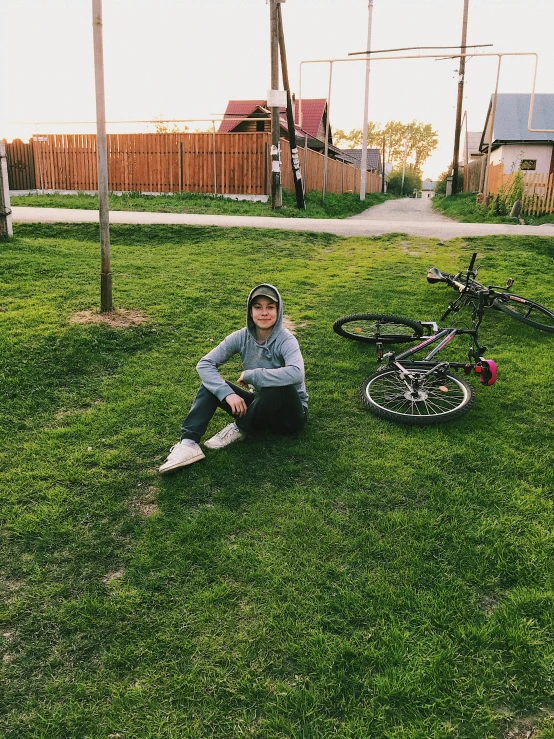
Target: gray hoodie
274,363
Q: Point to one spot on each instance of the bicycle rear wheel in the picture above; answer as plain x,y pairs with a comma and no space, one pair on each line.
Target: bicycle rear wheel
373,327
526,311
421,401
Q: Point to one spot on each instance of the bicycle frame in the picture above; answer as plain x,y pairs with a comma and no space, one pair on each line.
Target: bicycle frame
427,366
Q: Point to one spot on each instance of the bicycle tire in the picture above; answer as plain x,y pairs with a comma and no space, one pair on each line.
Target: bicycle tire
366,327
439,399
526,311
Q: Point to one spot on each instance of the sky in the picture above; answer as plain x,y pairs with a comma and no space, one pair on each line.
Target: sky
184,59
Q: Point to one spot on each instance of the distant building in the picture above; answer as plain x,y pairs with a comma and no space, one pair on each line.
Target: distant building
428,188
373,159
512,144
254,115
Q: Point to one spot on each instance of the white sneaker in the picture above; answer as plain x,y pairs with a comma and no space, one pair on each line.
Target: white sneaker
185,452
225,437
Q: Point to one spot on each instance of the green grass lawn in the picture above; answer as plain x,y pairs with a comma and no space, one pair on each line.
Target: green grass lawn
334,205
362,580
463,208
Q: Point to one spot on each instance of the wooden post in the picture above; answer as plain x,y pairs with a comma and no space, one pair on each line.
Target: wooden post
276,193
383,169
106,305
295,161
6,230
459,104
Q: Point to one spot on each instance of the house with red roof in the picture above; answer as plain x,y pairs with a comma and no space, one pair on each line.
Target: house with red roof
310,121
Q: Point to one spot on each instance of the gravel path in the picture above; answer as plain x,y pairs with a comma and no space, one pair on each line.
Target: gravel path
407,217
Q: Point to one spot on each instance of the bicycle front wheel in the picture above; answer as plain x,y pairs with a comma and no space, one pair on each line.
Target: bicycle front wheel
526,311
420,401
373,327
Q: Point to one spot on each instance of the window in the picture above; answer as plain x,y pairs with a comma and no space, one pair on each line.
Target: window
528,164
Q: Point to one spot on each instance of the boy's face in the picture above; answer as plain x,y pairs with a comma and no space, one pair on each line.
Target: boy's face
264,312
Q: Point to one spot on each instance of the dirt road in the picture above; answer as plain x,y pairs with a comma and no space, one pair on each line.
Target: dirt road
407,215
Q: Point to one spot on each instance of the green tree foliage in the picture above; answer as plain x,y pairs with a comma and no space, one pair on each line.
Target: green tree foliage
440,188
412,181
416,140
162,126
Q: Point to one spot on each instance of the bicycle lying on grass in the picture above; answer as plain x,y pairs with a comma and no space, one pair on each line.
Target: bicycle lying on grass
417,392
474,294
423,391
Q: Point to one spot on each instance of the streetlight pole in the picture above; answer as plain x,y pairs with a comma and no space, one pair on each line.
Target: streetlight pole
459,104
363,163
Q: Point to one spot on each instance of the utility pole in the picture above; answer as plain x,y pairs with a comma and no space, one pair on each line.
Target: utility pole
363,163
6,230
106,305
404,163
295,161
383,169
276,193
459,104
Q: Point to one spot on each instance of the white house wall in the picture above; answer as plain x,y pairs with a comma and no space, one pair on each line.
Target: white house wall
511,156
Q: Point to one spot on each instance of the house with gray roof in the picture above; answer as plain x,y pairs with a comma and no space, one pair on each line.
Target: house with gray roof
354,156
511,142
471,147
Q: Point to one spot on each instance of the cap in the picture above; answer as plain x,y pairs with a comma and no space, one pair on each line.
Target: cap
266,291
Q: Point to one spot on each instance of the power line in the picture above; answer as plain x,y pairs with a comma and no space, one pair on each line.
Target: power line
413,48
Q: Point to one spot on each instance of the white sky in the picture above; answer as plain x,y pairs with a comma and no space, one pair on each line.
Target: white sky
185,58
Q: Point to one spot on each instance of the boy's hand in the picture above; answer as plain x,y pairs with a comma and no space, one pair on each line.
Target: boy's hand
237,405
241,381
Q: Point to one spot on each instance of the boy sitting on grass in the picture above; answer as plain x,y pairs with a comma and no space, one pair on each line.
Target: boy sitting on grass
273,367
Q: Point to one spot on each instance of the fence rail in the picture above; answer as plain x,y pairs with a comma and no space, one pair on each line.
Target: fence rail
226,163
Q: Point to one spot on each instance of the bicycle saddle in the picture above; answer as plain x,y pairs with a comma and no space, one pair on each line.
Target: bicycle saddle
435,275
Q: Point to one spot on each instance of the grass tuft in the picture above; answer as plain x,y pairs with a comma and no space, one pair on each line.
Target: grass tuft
334,206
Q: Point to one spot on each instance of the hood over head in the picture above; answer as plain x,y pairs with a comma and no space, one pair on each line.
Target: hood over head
270,291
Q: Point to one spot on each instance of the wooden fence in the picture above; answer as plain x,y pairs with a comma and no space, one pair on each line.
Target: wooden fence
340,177
538,198
21,169
156,162
221,163
473,175
538,194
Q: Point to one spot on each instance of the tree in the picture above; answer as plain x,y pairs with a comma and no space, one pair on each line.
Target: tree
412,181
162,126
440,188
417,140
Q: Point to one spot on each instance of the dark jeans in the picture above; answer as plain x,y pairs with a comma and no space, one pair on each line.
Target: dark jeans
270,408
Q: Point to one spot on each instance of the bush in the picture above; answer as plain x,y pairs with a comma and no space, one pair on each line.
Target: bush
513,190
440,188
412,181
